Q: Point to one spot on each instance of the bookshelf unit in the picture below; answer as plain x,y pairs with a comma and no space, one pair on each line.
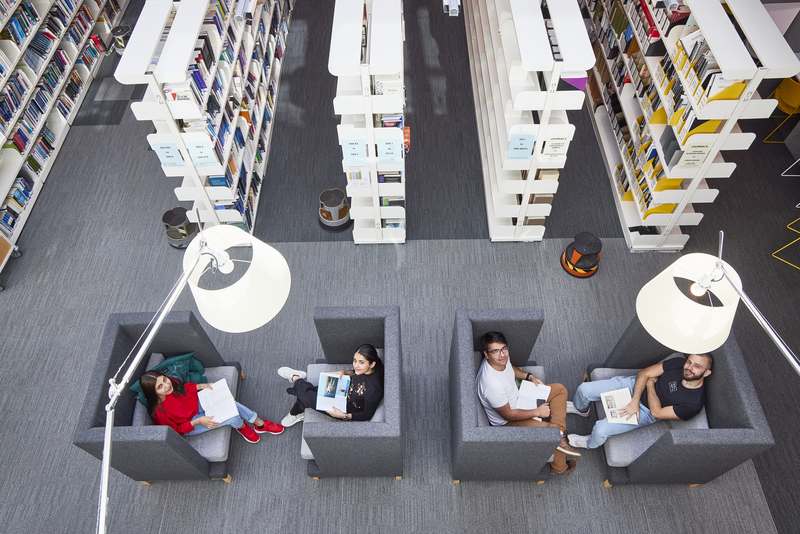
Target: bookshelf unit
528,67
50,52
665,95
212,69
366,56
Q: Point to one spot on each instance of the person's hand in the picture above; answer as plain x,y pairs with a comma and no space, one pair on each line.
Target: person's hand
340,374
336,413
207,422
204,386
536,381
543,411
630,410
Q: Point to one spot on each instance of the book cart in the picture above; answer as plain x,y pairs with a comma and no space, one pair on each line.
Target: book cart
366,56
665,95
50,51
212,69
528,67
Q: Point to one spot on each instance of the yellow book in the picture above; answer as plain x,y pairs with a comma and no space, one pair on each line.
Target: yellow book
659,116
666,184
627,196
661,208
730,93
705,127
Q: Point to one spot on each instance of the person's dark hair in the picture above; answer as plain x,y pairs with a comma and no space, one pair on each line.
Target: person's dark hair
492,337
148,383
371,354
710,359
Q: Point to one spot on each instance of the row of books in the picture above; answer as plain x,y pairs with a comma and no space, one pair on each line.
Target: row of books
390,178
217,16
392,201
12,97
42,148
21,24
70,95
91,53
14,204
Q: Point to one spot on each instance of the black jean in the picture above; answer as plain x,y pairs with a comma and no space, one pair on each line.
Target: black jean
306,394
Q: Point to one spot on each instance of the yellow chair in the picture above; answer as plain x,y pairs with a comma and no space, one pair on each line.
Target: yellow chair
788,96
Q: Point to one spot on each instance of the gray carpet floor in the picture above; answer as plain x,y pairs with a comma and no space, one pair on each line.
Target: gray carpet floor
94,245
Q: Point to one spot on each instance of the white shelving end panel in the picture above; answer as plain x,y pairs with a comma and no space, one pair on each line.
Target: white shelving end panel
573,40
179,49
534,44
765,38
345,51
729,51
386,38
348,100
135,62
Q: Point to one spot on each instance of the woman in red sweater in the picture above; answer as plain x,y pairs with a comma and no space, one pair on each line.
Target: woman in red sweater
176,405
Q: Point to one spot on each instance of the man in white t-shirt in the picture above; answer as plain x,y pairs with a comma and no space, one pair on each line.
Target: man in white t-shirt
498,393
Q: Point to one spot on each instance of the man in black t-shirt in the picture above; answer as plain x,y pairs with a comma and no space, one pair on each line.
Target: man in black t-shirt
673,389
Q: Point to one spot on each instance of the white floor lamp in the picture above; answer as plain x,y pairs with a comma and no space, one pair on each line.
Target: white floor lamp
692,325
248,303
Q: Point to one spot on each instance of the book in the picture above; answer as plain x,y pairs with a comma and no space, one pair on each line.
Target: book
332,392
532,396
218,402
613,401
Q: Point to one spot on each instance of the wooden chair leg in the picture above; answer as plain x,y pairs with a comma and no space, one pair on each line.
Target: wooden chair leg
227,479
585,377
456,482
241,374
607,484
145,482
540,481
693,485
398,478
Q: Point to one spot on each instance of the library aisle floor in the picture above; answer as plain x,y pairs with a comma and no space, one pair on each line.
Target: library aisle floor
95,245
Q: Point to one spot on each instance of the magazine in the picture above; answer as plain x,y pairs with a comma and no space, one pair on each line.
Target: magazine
531,396
332,392
218,402
613,401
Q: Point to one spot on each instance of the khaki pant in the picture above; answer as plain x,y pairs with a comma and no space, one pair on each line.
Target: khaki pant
558,419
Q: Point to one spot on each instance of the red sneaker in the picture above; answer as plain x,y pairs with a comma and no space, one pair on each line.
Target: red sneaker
269,428
248,434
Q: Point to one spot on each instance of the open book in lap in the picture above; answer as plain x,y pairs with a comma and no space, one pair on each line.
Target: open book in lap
532,396
332,392
615,400
218,402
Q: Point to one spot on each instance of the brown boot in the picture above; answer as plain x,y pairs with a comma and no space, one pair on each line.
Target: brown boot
572,463
566,448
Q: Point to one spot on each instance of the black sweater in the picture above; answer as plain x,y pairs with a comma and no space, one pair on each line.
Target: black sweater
363,397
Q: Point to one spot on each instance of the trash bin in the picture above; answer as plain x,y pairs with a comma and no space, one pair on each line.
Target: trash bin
180,231
334,211
121,35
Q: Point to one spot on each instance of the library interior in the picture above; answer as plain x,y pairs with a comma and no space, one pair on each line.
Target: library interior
372,186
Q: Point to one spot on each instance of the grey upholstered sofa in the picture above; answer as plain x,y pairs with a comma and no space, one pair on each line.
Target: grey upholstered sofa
480,451
329,445
731,430
151,452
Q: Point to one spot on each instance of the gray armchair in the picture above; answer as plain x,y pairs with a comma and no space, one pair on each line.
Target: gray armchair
151,452
731,430
328,444
480,451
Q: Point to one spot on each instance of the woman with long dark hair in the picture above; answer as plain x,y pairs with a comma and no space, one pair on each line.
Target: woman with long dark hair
176,405
363,396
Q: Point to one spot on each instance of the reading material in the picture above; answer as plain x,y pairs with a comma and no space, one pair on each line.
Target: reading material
332,392
218,402
613,401
532,396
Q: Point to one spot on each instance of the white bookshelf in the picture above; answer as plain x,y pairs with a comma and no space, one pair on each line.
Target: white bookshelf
655,197
370,86
58,102
519,59
231,119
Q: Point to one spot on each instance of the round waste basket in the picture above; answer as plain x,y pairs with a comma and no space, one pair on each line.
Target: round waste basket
179,230
334,211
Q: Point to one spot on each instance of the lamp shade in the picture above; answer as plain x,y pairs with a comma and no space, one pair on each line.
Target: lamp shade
252,300
680,323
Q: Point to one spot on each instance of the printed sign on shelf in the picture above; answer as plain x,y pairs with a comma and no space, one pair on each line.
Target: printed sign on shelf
390,151
521,146
168,154
354,151
202,153
694,154
556,147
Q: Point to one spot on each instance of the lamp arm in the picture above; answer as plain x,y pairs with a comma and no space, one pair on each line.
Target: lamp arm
115,390
776,338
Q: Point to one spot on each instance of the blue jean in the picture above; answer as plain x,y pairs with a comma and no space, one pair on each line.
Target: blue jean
245,414
591,391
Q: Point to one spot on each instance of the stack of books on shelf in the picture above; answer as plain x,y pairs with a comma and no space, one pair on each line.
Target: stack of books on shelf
80,25
393,201
44,145
69,96
20,24
384,177
11,98
14,204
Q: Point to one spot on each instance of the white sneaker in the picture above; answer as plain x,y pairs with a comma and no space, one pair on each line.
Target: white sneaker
572,409
576,440
288,373
290,419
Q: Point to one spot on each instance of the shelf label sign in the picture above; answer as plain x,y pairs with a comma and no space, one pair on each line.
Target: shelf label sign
390,151
556,147
521,146
202,153
357,175
694,154
168,154
354,151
